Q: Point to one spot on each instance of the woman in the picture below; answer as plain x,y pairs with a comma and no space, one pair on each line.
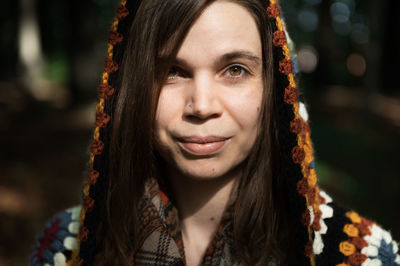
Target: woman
202,154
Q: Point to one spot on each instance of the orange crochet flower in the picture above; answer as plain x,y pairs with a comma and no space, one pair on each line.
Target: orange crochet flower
347,248
350,230
354,217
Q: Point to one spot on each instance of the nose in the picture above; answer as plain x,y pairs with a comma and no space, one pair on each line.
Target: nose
203,101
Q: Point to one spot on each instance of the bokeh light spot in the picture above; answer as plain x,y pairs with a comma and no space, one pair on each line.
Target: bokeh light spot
308,19
356,64
307,58
340,12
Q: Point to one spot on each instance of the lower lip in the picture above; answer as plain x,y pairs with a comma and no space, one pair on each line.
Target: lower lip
203,148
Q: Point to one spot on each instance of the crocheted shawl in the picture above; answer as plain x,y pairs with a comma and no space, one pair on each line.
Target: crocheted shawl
324,233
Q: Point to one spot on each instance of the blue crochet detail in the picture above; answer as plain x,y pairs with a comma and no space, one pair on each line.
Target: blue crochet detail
296,69
51,240
386,254
312,165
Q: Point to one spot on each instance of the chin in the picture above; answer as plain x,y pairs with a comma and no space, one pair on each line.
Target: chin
205,170
203,175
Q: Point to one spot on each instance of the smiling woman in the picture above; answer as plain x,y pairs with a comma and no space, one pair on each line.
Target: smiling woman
203,124
202,152
204,128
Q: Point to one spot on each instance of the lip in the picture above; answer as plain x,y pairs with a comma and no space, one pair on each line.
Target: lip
197,145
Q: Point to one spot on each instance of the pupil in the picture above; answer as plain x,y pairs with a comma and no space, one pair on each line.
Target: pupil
172,72
235,71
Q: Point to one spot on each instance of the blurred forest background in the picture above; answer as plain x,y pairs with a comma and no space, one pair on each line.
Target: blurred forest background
52,56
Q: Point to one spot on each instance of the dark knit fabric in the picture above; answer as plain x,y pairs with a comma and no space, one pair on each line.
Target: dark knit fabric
161,239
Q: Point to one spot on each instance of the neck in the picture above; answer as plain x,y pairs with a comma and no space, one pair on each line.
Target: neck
202,200
201,205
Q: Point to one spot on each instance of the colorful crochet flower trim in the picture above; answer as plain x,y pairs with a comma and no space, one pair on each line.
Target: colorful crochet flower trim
327,212
368,244
57,239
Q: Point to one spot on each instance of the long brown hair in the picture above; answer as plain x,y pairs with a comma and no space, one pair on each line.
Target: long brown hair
259,211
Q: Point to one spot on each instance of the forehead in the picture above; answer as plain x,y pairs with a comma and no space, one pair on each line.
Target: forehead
222,27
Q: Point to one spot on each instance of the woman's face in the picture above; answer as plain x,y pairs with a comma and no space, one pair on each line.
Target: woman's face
208,110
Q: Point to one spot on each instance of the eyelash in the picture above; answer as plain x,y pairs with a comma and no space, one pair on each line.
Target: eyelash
181,73
244,72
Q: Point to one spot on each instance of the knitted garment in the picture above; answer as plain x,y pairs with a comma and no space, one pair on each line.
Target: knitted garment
343,238
324,233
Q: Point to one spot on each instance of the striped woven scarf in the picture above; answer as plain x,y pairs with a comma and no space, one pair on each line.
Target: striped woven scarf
161,238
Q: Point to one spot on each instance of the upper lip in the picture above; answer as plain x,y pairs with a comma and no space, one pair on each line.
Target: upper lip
201,140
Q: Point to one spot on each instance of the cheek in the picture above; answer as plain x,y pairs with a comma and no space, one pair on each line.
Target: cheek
166,109
245,110
169,111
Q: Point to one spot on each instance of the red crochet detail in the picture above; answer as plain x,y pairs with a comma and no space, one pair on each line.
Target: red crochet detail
273,11
83,233
356,259
102,118
306,127
363,228
298,154
296,126
122,12
115,37
359,242
279,38
312,195
366,222
93,176
105,91
88,203
302,187
308,249
110,66
97,147
322,200
79,261
48,237
286,66
305,218
317,217
291,96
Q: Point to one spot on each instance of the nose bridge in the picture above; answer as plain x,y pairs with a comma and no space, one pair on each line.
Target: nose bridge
204,95
202,92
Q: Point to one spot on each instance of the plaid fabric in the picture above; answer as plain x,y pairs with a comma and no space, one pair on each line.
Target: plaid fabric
161,238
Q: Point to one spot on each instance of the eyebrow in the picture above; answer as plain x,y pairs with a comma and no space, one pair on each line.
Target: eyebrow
238,54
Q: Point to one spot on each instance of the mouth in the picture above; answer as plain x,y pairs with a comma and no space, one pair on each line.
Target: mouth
208,145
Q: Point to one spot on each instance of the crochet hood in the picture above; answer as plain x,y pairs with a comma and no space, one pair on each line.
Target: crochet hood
324,233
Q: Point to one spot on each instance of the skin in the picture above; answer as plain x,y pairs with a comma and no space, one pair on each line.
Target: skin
213,89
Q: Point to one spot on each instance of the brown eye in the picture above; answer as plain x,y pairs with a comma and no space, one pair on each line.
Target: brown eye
235,71
173,72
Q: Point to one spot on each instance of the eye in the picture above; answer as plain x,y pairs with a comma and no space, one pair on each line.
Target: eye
235,71
173,72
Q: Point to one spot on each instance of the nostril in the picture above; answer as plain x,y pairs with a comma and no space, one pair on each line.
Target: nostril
199,118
